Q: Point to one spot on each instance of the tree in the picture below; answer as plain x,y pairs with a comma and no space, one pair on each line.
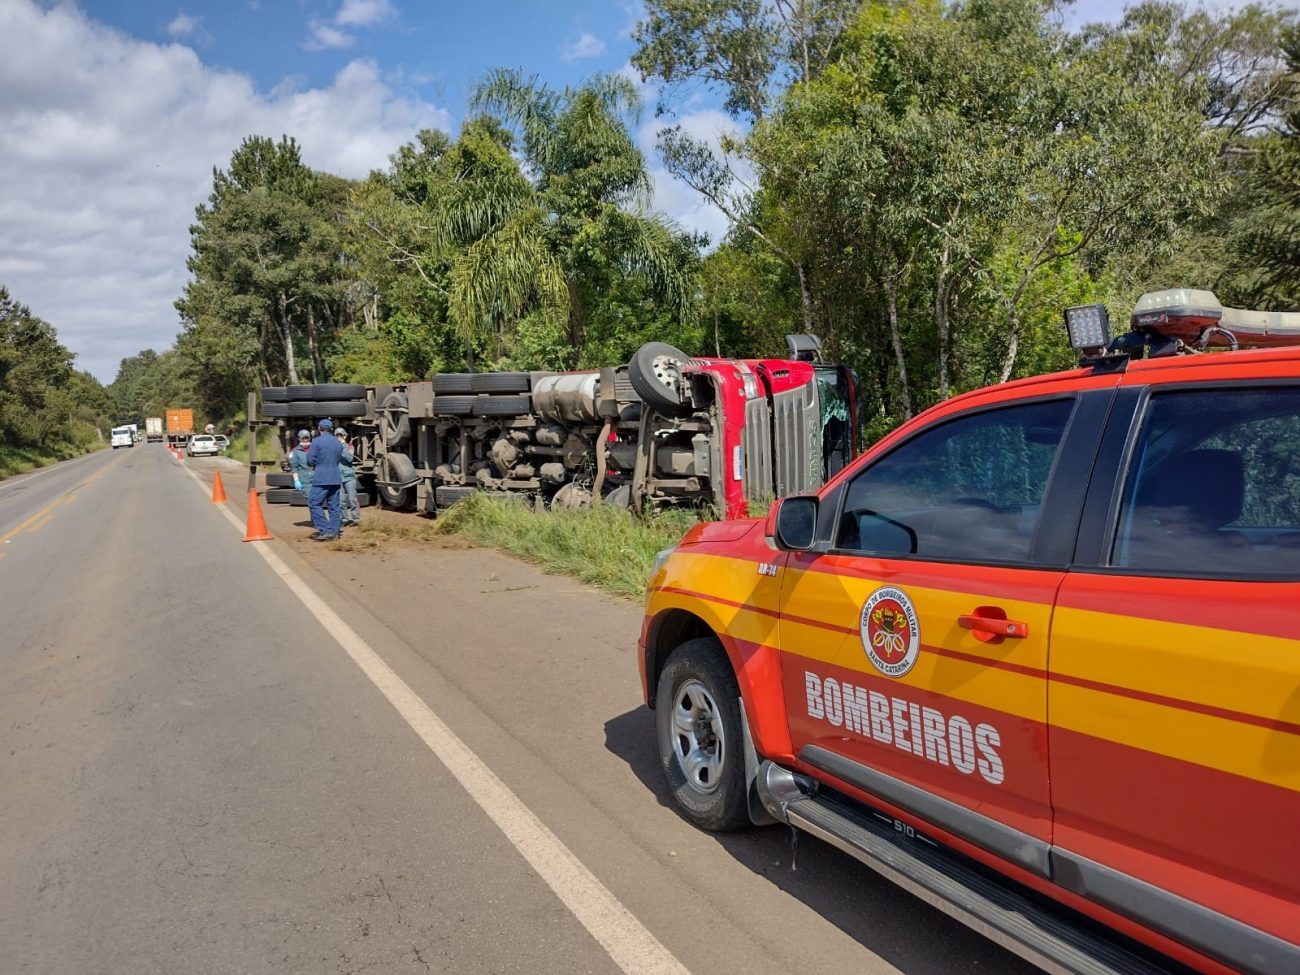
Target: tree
268,277
565,231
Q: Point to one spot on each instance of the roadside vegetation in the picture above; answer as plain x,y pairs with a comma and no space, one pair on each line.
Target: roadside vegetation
49,411
605,547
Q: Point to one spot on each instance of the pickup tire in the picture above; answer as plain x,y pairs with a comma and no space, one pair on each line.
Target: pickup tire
697,719
654,372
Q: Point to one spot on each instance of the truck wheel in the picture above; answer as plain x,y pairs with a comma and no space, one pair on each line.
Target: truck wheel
300,391
654,371
276,479
275,410
501,382
394,423
502,405
453,382
398,468
348,409
337,391
449,494
275,394
697,714
444,405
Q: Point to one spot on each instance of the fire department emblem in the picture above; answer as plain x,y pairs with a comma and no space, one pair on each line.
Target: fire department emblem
890,632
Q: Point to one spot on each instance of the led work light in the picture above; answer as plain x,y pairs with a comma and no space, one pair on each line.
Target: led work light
1088,326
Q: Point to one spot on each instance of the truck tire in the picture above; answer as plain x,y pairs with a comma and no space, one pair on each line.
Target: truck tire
654,370
286,496
302,409
364,500
697,719
453,405
336,410
299,391
485,405
275,394
279,480
453,382
449,494
338,391
396,467
501,382
620,497
275,410
394,423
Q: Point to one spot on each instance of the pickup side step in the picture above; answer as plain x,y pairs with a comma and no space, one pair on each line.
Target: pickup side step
1048,938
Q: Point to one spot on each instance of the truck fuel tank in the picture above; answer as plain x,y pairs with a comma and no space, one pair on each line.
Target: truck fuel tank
568,398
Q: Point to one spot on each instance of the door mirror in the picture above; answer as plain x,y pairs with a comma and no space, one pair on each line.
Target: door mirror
796,523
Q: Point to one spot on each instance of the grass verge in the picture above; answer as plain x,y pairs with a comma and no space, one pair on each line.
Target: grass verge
605,547
15,460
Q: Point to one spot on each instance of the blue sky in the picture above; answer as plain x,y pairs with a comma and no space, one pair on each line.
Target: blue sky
113,114
436,50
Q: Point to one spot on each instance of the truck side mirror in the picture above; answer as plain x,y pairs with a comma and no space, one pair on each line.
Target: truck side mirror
793,523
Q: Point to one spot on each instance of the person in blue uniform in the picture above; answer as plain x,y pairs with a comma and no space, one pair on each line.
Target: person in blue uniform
323,458
348,474
298,463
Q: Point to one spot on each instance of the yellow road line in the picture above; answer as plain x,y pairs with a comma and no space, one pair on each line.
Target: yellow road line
29,522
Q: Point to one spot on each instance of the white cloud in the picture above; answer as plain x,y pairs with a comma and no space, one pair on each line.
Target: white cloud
363,13
183,25
586,46
323,37
107,144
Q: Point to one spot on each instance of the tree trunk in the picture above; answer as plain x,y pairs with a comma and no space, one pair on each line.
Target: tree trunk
286,337
317,367
942,324
805,297
577,325
1013,343
895,337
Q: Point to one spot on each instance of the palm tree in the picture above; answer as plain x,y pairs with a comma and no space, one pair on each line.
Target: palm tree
552,235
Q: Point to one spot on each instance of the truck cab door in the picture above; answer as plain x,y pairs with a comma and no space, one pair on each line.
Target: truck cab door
915,642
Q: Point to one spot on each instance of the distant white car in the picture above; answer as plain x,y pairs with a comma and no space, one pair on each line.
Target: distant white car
223,442
203,443
121,437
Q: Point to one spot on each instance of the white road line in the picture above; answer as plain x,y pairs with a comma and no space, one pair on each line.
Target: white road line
627,941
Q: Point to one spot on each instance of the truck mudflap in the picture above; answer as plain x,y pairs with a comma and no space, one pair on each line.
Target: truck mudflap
1052,938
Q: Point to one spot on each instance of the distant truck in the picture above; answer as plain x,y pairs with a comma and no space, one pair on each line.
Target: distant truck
121,437
180,427
153,429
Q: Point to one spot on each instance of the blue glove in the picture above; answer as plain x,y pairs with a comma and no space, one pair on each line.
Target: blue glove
297,483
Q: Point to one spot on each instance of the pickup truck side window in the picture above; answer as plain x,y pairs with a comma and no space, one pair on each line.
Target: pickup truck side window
967,490
1214,486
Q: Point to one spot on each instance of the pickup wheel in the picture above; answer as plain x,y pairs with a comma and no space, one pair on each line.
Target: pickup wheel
697,713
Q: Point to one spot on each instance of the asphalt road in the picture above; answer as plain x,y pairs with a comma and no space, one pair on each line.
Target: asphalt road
290,757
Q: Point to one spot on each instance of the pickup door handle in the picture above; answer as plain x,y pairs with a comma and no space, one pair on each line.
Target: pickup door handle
990,623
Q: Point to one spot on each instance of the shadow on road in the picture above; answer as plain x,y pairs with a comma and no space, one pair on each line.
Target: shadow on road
884,919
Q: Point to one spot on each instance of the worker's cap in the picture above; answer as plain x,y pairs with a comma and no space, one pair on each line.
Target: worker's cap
304,434
326,425
341,432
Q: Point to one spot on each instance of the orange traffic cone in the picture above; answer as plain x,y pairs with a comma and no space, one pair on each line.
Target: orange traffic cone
218,489
256,530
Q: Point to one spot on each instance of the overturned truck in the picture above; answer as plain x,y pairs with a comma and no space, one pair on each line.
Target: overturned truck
663,430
